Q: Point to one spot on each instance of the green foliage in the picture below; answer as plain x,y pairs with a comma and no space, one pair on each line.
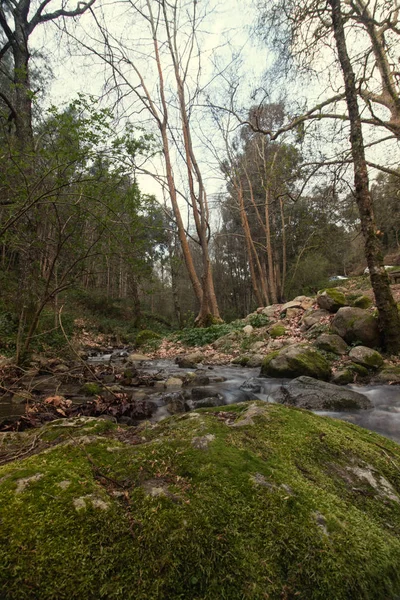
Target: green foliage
91,389
145,336
203,336
310,275
258,320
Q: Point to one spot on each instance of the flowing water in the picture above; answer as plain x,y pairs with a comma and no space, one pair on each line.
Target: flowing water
242,384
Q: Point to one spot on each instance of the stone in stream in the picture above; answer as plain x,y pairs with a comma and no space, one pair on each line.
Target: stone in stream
309,393
189,361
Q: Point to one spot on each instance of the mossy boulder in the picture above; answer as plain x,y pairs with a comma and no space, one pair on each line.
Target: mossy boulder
331,299
294,361
388,374
246,502
331,343
367,357
362,302
357,325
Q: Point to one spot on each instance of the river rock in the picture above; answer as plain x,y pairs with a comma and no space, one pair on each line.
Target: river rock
310,393
331,343
367,357
356,325
294,361
198,393
331,300
136,357
189,361
254,360
173,382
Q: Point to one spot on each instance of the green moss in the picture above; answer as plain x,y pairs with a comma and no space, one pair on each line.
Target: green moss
91,389
359,369
305,362
270,509
145,336
337,296
362,302
277,331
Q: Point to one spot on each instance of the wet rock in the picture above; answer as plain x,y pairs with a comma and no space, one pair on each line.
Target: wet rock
208,402
176,404
356,325
309,393
368,358
251,385
198,393
173,382
331,343
189,361
200,378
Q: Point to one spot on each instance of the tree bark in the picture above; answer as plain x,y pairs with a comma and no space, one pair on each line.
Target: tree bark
388,315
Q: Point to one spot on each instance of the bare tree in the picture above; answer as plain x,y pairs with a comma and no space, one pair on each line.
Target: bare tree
315,27
18,20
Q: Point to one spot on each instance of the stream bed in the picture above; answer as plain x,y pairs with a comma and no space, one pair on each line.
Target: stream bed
226,384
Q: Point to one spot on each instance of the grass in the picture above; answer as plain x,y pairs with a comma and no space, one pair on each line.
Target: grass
238,520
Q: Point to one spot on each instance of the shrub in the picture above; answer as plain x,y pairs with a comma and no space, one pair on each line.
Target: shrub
203,336
145,336
258,320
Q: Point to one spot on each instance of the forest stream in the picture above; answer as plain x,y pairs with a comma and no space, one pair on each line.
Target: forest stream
225,384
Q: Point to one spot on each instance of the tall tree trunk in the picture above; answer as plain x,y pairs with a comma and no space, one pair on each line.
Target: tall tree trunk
389,319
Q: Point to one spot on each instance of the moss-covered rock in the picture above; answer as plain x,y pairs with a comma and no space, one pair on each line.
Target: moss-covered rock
277,331
331,299
294,361
357,325
367,357
331,343
362,302
246,502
